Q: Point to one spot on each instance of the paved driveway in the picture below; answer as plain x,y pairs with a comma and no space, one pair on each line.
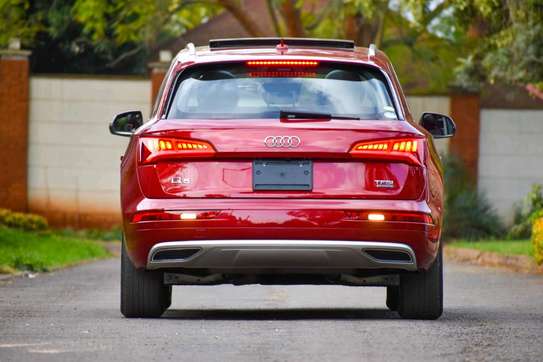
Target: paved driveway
73,315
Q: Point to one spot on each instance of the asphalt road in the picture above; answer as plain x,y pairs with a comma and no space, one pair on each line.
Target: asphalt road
73,315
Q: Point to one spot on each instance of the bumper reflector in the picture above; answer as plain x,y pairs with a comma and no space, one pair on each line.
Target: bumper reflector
159,215
376,217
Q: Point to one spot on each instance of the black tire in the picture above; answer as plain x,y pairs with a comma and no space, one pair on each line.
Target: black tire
143,292
392,297
421,293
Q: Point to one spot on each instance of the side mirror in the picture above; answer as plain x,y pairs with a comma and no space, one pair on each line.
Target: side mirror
439,125
125,124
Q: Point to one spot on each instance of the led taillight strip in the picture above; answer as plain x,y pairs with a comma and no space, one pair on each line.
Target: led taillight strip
157,148
279,63
395,149
399,146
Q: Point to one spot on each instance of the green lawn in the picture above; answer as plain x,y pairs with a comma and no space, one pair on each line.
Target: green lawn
507,247
44,251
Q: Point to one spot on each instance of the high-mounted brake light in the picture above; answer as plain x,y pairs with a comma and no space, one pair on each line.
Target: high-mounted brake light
276,74
157,148
282,63
396,149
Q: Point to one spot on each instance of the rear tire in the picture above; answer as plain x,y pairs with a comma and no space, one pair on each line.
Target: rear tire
392,297
421,293
143,292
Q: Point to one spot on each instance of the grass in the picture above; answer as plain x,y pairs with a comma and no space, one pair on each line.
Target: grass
505,247
44,251
113,234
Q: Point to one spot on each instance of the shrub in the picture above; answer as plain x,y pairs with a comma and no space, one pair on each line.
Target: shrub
537,237
468,214
524,216
19,220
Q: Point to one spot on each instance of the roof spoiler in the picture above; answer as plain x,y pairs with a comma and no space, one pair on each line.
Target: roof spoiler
216,44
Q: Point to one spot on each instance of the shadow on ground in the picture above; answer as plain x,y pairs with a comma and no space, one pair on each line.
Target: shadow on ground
280,314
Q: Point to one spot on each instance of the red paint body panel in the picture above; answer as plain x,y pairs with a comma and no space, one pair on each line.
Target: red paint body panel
344,186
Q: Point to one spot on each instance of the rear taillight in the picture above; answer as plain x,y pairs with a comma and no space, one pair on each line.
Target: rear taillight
382,216
162,215
409,150
159,148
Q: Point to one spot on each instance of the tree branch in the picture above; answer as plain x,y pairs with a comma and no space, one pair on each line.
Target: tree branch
242,16
125,55
273,15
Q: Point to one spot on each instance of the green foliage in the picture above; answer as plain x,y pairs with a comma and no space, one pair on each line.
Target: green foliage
505,247
537,237
22,221
15,22
524,216
506,44
97,36
38,251
468,214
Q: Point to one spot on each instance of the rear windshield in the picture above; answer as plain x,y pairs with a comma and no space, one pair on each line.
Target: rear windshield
243,91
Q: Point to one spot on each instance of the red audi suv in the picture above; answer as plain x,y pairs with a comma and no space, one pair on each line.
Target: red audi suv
282,161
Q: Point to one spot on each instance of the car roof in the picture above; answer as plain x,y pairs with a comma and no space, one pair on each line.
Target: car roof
207,54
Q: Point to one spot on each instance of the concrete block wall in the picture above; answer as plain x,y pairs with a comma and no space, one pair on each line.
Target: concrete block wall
73,163
510,156
436,104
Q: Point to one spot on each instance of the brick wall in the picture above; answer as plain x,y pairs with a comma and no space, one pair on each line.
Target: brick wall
465,110
13,128
73,163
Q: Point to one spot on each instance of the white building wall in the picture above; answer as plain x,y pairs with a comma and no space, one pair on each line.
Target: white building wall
435,104
510,156
73,164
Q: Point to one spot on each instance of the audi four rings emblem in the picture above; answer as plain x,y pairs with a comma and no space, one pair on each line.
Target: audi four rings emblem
282,141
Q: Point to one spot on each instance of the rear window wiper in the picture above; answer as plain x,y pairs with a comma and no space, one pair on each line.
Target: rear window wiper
294,115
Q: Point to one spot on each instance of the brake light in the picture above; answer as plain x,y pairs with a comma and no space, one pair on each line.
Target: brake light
282,63
410,150
157,148
277,74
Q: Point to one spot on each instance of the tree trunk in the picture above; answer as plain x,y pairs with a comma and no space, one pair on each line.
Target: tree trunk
293,18
236,9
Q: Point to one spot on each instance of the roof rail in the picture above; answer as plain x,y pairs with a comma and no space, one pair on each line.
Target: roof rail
215,44
372,50
191,48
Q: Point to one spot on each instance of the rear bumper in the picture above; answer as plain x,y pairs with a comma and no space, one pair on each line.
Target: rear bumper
277,254
330,222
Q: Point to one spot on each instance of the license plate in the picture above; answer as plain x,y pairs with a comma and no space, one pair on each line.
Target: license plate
283,175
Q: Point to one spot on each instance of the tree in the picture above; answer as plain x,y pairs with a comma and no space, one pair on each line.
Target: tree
506,43
486,40
97,36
